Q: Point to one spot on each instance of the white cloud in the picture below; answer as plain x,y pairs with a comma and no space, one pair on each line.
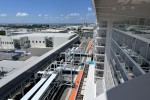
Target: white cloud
51,18
73,14
67,17
40,15
81,18
89,9
46,15
22,14
61,18
89,14
57,17
61,15
3,15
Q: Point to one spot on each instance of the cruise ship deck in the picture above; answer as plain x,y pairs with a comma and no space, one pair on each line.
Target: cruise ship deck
121,49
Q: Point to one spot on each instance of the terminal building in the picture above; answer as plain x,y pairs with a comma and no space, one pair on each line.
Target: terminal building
54,30
34,40
17,75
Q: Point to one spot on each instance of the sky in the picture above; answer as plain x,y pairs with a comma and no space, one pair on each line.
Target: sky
46,11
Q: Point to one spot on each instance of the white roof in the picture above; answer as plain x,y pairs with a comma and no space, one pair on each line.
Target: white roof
88,28
73,26
28,65
21,32
42,35
12,67
54,30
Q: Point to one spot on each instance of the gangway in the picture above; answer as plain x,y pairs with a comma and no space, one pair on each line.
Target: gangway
52,78
30,94
44,88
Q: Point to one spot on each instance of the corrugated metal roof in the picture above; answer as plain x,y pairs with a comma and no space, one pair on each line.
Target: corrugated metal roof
40,35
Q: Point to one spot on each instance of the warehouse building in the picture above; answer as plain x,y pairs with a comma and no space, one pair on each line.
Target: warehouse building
15,75
34,40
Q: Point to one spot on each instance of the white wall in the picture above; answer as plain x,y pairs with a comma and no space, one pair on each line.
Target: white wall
6,43
59,40
37,41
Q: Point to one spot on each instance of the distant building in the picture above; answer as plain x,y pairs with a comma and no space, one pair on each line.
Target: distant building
15,74
34,40
73,27
54,31
89,28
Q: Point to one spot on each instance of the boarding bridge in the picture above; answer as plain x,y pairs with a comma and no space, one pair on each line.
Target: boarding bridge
52,79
